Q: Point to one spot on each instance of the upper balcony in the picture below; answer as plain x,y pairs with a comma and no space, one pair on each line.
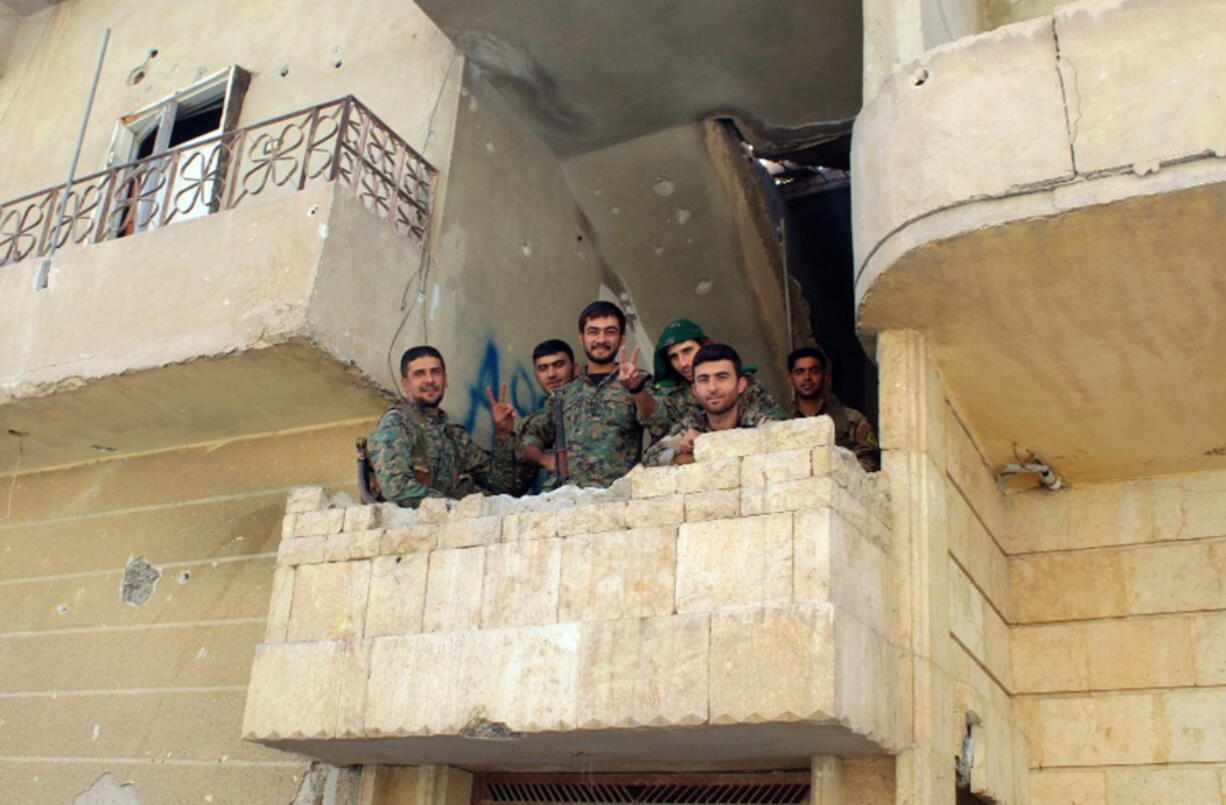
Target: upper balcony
1044,201
253,255
735,612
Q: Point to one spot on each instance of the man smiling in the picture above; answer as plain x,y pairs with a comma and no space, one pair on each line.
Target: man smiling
600,408
719,383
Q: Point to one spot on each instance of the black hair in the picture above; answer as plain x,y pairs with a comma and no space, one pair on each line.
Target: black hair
421,351
806,352
717,352
600,309
550,347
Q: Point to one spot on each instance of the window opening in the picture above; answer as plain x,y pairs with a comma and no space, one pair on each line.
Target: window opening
191,180
759,788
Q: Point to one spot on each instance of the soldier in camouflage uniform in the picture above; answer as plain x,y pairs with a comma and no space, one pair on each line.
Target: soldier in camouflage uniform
601,407
810,377
674,399
553,363
719,386
416,452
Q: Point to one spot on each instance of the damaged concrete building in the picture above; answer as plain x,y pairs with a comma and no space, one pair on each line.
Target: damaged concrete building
272,200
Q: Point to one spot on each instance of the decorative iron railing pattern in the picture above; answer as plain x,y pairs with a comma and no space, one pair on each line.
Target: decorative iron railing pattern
341,141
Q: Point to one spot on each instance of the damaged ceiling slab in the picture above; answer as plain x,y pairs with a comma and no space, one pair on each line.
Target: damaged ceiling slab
587,75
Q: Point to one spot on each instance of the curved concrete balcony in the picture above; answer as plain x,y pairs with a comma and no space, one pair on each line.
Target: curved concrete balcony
216,290
734,612
1044,201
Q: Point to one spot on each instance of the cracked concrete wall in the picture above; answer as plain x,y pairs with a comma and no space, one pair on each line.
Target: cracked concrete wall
96,694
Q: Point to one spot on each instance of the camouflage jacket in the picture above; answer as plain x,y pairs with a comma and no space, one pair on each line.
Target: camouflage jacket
752,415
676,403
416,453
525,470
603,436
853,431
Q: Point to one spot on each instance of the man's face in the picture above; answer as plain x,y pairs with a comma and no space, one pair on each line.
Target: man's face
681,356
553,370
425,382
717,386
601,338
806,378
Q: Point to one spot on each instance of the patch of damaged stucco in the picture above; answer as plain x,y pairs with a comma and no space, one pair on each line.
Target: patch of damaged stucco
139,580
323,784
106,790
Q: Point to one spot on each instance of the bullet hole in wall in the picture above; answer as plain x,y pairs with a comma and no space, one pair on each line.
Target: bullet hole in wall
284,70
139,580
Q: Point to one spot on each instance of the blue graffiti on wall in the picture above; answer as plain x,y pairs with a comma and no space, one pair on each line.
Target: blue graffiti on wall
522,391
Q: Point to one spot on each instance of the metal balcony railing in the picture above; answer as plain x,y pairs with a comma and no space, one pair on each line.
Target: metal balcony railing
340,141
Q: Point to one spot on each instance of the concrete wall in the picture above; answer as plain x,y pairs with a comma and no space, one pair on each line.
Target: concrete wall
391,56
150,693
1119,652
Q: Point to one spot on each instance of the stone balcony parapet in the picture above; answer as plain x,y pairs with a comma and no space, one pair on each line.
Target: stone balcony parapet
742,601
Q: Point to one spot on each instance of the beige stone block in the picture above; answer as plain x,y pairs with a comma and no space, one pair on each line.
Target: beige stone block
966,613
301,551
1209,648
329,601
1140,653
417,785
434,510
728,444
288,524
787,465
1068,586
753,500
276,706
871,778
651,482
976,551
832,562
797,434
1050,657
970,472
1094,730
1038,522
1191,506
723,473
656,511
1160,787
453,589
467,507
810,493
1175,577
523,679
279,605
715,505
522,582
772,664
1196,721
352,545
351,701
306,499
629,574
590,519
419,538
320,523
642,672
397,594
533,525
469,531
736,562
869,700
840,464
361,518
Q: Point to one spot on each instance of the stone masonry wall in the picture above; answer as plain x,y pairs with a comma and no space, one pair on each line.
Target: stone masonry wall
750,587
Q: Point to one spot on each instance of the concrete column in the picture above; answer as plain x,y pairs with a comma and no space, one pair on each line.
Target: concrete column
827,785
415,785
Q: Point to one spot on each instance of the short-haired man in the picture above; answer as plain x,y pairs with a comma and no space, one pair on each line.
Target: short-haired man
674,376
810,377
416,452
600,408
553,365
719,386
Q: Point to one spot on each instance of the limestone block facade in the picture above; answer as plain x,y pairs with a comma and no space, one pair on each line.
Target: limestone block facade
738,610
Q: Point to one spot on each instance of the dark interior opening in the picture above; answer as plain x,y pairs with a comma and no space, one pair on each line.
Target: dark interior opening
188,125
